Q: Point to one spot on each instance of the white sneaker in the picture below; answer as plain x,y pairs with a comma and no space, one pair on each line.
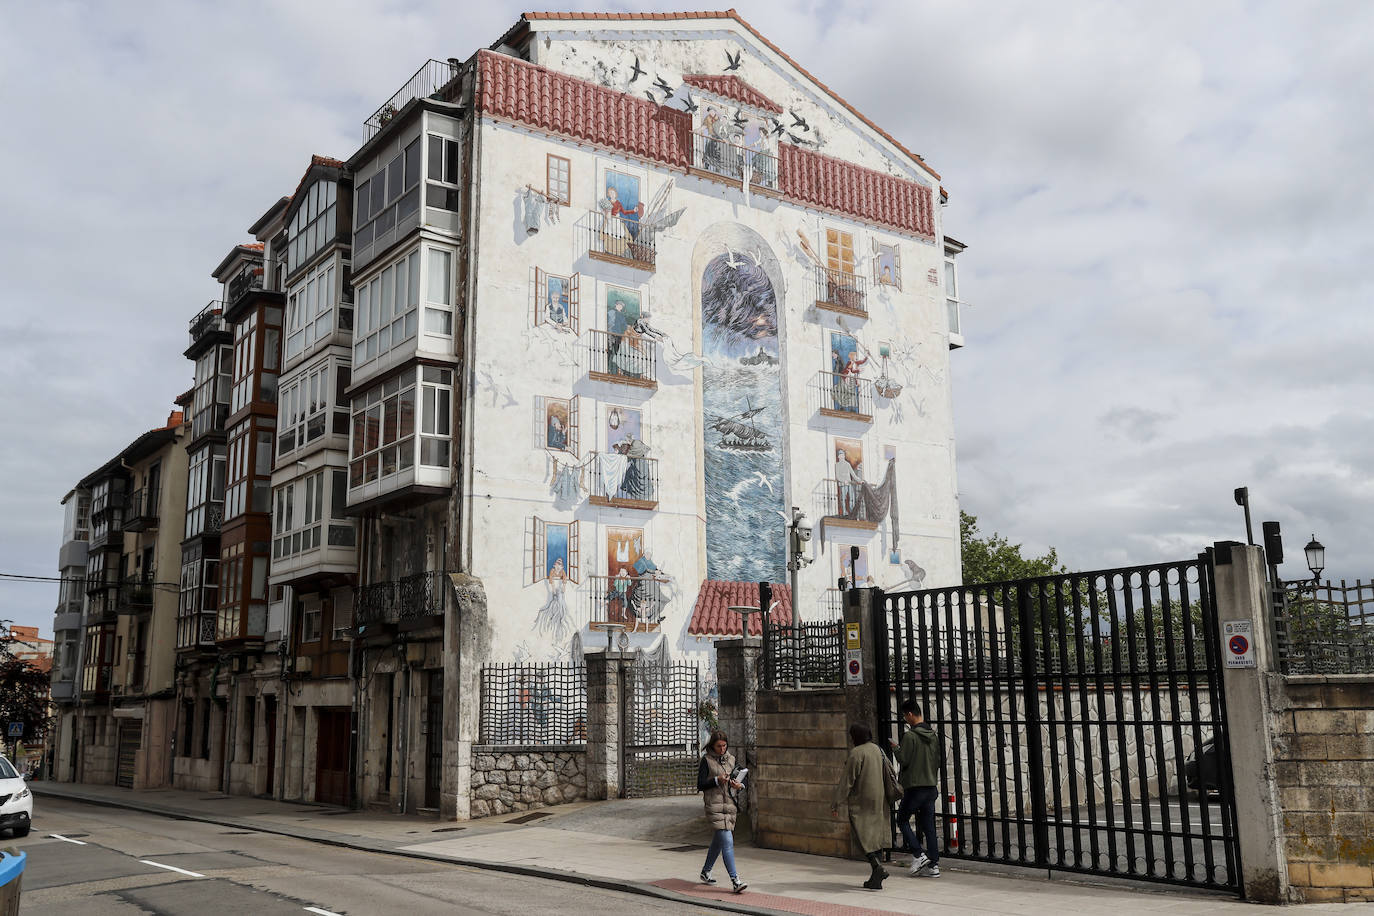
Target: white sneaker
930,871
706,878
918,863
737,885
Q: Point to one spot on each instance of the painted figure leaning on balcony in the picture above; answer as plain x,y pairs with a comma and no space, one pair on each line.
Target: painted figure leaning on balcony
612,208
636,484
846,385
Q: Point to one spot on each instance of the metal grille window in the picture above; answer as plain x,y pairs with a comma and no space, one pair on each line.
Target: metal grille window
1325,628
795,655
533,704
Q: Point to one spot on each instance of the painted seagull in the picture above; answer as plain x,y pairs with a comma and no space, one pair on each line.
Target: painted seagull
758,261
764,481
638,71
663,87
798,120
733,59
731,262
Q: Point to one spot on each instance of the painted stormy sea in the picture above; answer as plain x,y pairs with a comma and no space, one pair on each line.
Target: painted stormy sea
744,488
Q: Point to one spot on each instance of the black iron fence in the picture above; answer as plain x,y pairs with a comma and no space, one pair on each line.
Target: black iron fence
801,655
407,598
624,357
843,395
533,704
840,290
619,238
208,319
1082,719
662,734
1324,627
721,157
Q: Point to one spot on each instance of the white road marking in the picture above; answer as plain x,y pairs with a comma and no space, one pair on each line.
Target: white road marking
58,836
193,874
315,909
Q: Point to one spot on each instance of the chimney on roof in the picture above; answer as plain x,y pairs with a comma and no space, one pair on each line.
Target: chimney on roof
174,419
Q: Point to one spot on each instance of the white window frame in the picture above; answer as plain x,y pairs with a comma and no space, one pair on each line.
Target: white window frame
374,337
310,308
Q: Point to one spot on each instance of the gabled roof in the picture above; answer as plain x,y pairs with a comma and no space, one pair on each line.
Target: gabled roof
732,87
712,615
731,14
243,249
295,201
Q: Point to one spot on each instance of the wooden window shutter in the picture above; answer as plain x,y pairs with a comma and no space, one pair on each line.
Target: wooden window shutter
538,293
573,427
574,555
538,548
574,299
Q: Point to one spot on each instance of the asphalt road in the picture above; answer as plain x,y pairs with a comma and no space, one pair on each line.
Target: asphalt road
86,860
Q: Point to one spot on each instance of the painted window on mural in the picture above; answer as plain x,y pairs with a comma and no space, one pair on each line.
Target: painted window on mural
624,562
858,576
839,251
887,265
558,426
623,424
849,473
556,300
558,188
622,200
554,552
627,352
847,359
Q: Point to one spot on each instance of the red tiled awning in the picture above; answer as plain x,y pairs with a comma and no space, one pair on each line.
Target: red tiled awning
712,615
732,87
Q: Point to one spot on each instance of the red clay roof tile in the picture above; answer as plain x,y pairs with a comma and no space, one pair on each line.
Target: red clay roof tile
712,615
732,87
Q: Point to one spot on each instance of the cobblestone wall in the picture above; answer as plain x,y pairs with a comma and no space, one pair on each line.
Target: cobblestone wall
506,779
1324,766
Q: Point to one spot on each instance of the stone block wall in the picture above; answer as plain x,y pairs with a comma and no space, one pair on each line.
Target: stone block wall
801,747
1324,767
506,779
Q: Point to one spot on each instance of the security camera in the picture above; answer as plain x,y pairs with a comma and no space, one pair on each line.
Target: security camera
803,532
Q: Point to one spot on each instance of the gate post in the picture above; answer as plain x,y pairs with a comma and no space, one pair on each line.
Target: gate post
604,683
1035,750
1240,595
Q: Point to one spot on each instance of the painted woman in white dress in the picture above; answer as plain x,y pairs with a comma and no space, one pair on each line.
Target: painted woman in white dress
552,619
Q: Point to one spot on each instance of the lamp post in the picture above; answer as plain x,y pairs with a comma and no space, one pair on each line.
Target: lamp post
1316,557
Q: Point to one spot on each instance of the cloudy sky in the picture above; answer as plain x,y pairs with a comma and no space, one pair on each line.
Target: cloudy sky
1167,207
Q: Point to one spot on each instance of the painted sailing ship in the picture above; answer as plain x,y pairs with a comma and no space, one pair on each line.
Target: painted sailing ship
739,434
760,357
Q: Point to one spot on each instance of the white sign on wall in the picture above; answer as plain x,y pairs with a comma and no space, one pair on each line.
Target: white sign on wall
1238,643
853,666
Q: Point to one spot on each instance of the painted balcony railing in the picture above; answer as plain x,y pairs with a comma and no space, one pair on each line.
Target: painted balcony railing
632,601
730,160
136,594
626,359
840,291
845,397
617,239
141,512
435,79
407,598
637,489
208,320
840,504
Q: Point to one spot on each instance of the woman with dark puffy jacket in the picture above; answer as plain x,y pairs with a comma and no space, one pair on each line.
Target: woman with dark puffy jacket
716,782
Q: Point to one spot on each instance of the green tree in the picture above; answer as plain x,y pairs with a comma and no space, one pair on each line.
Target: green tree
993,558
23,689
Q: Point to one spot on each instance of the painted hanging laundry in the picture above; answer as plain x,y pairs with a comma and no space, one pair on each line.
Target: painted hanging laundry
610,472
873,503
567,482
533,210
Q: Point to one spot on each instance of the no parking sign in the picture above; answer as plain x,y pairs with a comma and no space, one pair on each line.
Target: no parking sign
1238,643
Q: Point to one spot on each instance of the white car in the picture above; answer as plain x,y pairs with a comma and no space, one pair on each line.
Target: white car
16,801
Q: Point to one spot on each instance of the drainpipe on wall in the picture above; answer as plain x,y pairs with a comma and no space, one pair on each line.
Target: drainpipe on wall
354,750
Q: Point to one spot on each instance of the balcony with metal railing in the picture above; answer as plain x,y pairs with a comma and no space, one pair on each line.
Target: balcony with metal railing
841,505
635,602
617,239
844,397
136,594
141,511
208,323
622,359
730,160
408,598
248,279
436,79
637,488
840,291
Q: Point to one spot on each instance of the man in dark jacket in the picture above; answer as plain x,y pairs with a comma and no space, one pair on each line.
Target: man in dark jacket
919,756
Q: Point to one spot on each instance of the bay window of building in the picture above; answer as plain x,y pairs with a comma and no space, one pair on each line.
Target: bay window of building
439,291
387,309
107,508
310,309
383,441
257,358
441,186
76,522
299,519
243,593
436,416
952,296
199,599
314,224
214,378
307,403
390,195
205,491
249,468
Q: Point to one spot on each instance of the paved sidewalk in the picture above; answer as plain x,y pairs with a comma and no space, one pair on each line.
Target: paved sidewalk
655,847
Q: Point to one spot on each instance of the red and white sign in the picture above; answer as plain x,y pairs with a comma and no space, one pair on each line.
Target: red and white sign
1238,643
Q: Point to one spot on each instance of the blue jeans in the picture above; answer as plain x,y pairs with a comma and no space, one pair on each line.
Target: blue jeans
920,801
723,845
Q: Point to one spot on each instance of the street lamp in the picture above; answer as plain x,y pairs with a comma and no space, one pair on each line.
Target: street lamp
744,612
1316,557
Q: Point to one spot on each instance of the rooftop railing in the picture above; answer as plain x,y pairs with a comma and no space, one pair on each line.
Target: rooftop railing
208,320
435,79
246,280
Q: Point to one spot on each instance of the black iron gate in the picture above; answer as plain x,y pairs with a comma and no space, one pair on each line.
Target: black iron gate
1081,716
659,743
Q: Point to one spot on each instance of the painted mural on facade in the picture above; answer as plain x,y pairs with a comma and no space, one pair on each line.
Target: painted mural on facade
744,431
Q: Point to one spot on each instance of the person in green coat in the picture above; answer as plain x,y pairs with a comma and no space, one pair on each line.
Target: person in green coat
863,789
919,757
